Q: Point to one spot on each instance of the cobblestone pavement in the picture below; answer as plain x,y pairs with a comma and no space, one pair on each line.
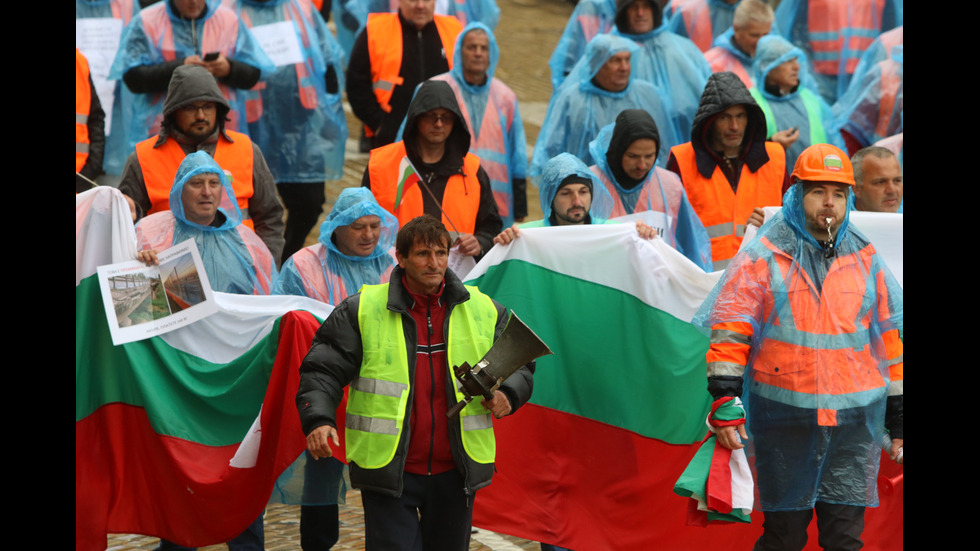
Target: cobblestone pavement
527,34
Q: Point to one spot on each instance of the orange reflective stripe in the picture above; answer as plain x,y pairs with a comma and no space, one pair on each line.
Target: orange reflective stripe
722,211
159,166
83,103
460,200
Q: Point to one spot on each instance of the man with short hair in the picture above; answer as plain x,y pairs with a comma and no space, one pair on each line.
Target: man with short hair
625,155
175,33
491,113
393,54
194,120
734,49
878,182
203,208
728,168
596,91
700,20
670,62
805,327
395,344
431,171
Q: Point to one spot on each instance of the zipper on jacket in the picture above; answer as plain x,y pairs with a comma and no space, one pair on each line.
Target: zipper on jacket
432,386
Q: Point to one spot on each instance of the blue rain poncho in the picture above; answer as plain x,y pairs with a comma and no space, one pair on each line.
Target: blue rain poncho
803,108
662,191
235,259
725,56
555,171
579,108
818,362
849,24
494,120
880,50
590,19
687,18
674,65
122,101
351,16
158,35
298,124
873,108
324,273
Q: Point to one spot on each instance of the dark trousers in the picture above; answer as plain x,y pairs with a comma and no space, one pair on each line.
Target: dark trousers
304,203
252,539
319,528
839,528
432,513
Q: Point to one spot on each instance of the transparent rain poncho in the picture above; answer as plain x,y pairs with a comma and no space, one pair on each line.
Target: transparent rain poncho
324,273
122,103
555,171
802,108
579,109
872,109
674,65
235,259
834,34
691,18
590,18
816,376
494,120
665,193
724,56
300,127
158,35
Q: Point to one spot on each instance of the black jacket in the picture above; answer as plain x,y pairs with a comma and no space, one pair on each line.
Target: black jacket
423,57
335,360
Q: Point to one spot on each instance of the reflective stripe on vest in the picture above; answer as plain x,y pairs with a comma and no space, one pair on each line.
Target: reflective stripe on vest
802,375
378,399
840,32
159,166
384,38
83,102
722,211
810,103
460,200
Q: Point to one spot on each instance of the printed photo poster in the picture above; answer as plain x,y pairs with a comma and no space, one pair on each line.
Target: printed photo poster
144,301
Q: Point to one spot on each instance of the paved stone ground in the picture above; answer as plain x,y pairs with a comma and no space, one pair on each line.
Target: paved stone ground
527,34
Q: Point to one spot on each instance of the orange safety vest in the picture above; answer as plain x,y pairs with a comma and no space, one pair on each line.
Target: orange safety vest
847,370
83,102
159,166
722,211
384,38
460,201
836,26
722,60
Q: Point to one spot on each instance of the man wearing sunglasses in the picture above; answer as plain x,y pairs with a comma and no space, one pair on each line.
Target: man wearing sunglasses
431,171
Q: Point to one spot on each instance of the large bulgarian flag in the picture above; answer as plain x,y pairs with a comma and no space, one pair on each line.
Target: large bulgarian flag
180,436
618,411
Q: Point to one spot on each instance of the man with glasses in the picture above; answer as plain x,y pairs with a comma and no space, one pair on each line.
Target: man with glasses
431,171
195,113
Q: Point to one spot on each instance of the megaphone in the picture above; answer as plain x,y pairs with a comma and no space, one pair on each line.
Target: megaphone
516,346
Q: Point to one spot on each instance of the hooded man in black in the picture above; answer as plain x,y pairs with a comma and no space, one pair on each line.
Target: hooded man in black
431,171
728,169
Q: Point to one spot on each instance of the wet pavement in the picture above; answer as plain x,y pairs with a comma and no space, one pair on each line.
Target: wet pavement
526,35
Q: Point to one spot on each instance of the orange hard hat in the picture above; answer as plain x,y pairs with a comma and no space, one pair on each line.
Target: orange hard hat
823,162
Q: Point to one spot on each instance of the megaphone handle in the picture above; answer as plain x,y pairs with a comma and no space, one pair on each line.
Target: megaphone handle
454,411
